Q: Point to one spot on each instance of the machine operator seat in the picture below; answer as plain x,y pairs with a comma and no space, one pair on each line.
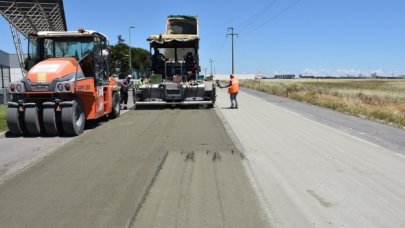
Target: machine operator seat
189,58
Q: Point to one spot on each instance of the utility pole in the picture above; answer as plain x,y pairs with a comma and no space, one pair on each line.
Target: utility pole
232,34
211,61
205,71
129,47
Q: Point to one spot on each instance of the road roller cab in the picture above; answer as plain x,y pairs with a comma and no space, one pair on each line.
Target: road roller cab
68,82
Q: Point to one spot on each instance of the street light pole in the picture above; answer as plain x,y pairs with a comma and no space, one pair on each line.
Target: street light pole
129,47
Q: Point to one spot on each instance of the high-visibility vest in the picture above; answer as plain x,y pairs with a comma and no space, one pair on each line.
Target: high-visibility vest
235,86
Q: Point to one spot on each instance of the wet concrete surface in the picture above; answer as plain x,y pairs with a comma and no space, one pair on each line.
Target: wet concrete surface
18,153
102,178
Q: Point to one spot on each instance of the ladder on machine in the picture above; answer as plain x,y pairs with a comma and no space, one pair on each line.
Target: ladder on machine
18,48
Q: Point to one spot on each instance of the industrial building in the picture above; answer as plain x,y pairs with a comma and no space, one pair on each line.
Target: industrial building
9,69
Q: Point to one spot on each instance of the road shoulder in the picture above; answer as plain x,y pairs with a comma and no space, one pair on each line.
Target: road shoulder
381,134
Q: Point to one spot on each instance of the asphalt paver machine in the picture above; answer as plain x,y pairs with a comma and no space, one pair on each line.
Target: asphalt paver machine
175,79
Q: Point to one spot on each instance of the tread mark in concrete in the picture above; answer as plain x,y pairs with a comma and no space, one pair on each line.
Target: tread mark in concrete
216,156
320,199
242,156
145,195
190,156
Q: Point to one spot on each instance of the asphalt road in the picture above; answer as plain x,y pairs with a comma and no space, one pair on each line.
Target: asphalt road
309,174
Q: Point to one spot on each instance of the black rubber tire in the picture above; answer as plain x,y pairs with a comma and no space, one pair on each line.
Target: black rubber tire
15,121
134,99
73,118
116,106
31,120
213,94
49,121
134,107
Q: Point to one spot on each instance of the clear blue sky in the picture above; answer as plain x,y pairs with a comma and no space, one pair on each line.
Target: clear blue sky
284,36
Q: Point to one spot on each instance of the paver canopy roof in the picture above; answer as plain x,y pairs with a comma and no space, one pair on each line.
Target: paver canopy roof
32,16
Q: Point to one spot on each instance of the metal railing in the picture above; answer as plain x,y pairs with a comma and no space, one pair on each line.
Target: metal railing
5,96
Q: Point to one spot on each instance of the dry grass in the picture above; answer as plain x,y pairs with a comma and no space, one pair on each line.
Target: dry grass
3,123
377,99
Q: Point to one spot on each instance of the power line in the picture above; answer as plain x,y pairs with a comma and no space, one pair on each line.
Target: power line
275,16
220,49
244,25
255,16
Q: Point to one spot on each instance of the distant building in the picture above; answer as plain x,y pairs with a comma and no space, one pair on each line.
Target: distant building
284,76
9,69
240,76
307,76
4,69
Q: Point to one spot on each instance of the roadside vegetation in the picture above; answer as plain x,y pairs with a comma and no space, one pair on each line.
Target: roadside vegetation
378,99
3,123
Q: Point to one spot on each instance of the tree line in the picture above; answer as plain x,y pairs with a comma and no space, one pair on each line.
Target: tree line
140,59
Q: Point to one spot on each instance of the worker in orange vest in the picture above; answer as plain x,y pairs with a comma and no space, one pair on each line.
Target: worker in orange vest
233,89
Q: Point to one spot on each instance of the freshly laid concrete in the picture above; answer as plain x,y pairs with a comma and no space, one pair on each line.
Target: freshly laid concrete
201,189
101,178
312,175
17,153
257,166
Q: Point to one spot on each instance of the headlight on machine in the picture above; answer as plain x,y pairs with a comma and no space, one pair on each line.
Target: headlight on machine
59,87
17,87
67,86
64,87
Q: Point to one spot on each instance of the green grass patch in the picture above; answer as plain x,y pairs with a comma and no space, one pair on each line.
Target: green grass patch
3,123
378,99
